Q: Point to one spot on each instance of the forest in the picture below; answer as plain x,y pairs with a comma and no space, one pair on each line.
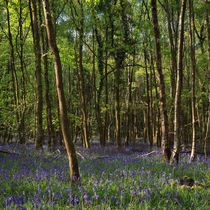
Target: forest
104,104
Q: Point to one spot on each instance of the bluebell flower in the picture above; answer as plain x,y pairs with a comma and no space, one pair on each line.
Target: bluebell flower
117,202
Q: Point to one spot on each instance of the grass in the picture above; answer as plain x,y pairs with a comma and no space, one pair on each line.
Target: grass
117,181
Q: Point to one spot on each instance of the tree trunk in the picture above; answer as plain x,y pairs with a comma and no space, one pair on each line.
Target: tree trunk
45,48
73,163
117,100
105,130
21,126
130,123
101,84
37,50
177,105
173,51
149,128
163,111
208,91
82,79
12,65
193,65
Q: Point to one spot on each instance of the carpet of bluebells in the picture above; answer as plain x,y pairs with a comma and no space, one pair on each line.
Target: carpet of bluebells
110,179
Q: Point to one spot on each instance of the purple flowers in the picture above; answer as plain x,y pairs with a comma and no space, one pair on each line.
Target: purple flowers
121,180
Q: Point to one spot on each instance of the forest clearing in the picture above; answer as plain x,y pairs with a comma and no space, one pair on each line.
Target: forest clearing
104,104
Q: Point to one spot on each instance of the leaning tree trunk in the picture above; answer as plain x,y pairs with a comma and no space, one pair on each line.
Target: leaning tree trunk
177,105
73,163
192,57
37,50
166,152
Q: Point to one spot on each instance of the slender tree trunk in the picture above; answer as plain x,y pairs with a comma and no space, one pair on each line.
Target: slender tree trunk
38,74
166,152
101,85
21,126
45,48
192,57
117,101
12,64
130,105
149,128
206,139
119,58
82,79
173,48
157,115
105,130
173,51
73,163
152,124
177,105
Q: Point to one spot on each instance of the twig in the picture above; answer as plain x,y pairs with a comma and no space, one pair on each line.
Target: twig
79,154
145,155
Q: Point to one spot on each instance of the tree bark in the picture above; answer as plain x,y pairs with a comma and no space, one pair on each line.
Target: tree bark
101,85
166,152
118,62
173,51
193,65
73,163
149,128
130,123
177,105
38,73
206,139
21,127
11,67
82,79
45,48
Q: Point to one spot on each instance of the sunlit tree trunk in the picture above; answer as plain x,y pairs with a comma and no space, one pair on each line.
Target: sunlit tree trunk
163,111
173,50
177,105
193,65
73,163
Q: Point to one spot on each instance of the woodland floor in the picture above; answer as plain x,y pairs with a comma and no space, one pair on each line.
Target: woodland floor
129,178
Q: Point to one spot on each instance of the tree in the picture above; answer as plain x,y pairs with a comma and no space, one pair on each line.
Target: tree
163,111
193,65
177,105
45,49
73,163
38,73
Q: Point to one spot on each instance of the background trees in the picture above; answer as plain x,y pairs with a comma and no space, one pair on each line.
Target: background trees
110,58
